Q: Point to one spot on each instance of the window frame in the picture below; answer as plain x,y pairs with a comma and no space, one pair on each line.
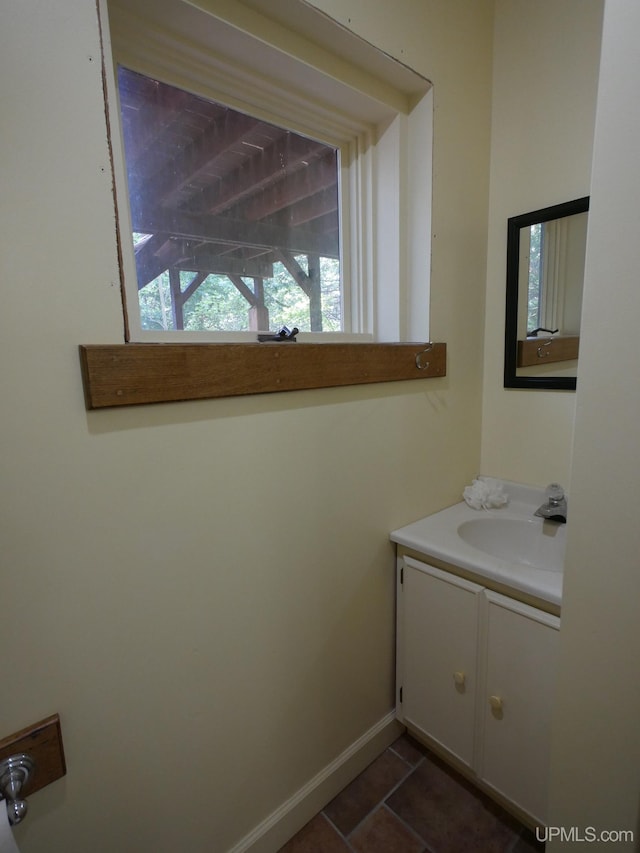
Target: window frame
383,130
348,167
158,54
389,118
340,172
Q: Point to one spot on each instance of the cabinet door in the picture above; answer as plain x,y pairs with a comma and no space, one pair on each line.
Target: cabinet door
518,686
438,620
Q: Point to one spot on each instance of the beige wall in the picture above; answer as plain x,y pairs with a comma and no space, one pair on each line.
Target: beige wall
144,591
546,57
204,591
596,756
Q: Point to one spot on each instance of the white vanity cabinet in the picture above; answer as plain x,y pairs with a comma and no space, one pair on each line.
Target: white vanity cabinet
439,622
518,660
476,675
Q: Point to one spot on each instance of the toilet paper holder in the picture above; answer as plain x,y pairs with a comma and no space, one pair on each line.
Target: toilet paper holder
14,775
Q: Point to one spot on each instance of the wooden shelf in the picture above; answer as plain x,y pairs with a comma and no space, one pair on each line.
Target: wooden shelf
135,374
537,351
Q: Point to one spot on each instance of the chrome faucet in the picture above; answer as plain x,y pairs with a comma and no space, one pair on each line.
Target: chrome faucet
555,508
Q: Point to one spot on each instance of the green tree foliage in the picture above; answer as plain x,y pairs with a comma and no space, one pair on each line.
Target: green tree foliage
217,305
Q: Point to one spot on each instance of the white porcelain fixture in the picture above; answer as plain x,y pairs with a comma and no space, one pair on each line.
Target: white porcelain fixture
531,541
509,545
478,619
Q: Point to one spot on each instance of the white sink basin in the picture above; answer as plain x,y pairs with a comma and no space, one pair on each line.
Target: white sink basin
532,542
507,545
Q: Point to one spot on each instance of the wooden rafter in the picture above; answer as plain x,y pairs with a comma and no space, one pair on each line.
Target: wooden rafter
257,172
291,189
193,160
150,112
320,209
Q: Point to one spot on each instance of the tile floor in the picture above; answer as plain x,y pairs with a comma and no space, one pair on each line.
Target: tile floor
408,801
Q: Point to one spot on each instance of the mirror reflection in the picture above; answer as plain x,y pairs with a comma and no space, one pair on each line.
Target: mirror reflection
545,272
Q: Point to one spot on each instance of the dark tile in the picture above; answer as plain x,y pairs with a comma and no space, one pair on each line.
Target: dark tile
366,791
450,814
384,832
409,749
528,843
318,835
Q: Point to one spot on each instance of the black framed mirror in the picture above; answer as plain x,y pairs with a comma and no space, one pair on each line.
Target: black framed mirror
545,273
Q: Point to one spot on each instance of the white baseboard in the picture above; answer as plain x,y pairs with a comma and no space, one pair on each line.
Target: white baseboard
292,815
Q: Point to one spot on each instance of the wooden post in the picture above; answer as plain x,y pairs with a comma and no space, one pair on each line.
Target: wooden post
315,293
177,301
258,312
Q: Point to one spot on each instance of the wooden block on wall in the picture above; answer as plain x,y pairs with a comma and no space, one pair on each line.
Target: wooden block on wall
537,351
134,374
43,743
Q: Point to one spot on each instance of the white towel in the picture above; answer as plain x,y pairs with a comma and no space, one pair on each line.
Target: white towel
485,494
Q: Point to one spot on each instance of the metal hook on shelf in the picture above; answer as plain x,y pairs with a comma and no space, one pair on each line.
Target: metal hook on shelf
541,351
420,364
14,775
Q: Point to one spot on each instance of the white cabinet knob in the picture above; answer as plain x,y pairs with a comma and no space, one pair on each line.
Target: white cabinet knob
459,678
496,704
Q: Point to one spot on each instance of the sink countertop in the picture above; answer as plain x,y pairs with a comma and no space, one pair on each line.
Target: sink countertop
437,536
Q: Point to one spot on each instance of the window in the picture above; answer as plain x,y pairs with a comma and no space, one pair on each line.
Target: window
270,181
235,221
555,250
535,275
346,248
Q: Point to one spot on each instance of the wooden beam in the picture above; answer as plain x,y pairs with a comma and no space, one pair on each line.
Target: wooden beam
288,152
310,209
151,111
189,163
135,374
220,229
161,252
259,313
206,260
315,298
320,174
152,258
242,288
177,301
295,270
310,284
193,285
